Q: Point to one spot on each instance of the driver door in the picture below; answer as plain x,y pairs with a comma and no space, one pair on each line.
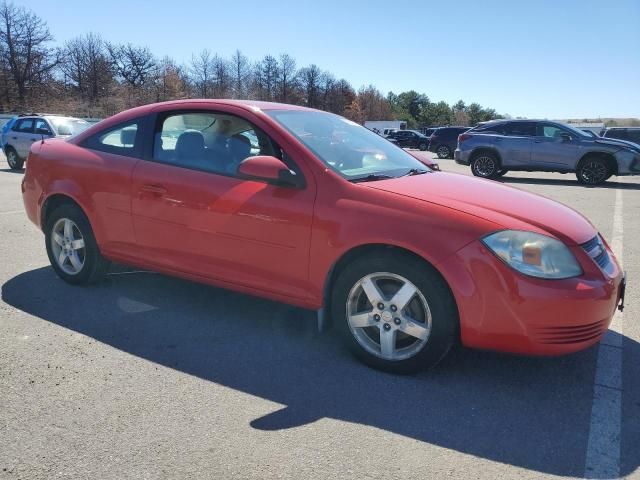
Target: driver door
554,148
192,213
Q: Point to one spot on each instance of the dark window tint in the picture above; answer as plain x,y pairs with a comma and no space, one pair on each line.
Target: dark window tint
620,134
497,128
520,129
24,125
633,136
123,139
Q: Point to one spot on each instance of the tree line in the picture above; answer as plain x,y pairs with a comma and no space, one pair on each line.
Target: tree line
88,76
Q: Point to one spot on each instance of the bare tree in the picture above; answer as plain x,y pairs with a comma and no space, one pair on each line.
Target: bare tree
286,78
23,39
201,73
134,65
86,67
240,74
221,77
310,85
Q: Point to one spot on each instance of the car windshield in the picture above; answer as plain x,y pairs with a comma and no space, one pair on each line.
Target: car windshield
69,126
353,151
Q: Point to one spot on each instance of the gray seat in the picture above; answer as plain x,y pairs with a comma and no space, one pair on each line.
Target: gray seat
190,148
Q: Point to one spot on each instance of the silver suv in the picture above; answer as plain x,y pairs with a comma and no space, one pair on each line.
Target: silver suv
494,148
26,129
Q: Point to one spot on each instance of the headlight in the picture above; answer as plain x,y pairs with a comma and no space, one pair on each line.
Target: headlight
534,254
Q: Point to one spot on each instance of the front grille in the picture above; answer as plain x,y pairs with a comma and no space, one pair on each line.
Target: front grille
596,250
573,334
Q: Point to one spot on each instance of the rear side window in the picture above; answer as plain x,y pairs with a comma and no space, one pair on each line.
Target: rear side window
520,129
24,125
123,139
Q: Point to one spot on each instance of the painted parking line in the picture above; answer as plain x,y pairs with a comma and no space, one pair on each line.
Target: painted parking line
11,212
603,447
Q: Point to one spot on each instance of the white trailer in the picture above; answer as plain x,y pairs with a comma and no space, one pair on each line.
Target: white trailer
383,127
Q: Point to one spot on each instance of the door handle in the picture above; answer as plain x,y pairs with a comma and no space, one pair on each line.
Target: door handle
14,138
155,189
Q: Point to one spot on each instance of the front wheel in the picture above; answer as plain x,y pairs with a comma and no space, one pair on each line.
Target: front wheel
422,147
593,171
72,248
14,161
395,313
485,165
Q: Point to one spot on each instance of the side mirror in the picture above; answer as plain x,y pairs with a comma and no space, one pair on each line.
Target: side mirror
43,131
270,169
566,137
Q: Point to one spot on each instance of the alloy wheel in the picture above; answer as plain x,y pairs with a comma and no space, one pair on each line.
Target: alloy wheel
443,152
12,159
388,316
593,172
68,246
484,166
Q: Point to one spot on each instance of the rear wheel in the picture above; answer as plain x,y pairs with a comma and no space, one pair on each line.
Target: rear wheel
72,248
443,151
485,165
422,146
14,161
593,171
395,313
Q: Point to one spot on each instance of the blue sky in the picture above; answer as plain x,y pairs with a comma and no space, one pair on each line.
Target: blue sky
547,59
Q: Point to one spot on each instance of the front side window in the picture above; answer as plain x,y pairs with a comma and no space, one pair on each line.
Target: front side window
550,131
42,127
351,150
208,141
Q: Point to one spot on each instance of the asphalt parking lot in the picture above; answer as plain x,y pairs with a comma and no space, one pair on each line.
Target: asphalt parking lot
146,376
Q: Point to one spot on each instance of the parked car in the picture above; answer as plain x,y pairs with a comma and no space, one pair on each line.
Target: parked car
496,147
410,139
630,134
321,213
26,129
444,140
427,132
5,128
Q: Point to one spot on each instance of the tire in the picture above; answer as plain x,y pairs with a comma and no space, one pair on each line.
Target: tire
435,324
422,147
593,170
83,263
485,165
14,161
443,152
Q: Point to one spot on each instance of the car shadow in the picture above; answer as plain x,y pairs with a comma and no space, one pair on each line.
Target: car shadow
532,413
9,170
568,183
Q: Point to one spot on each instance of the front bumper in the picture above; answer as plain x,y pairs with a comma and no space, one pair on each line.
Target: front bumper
501,309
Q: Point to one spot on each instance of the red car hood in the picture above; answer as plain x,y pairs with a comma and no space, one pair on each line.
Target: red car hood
507,206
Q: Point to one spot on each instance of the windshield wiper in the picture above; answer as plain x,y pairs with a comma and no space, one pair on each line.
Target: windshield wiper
371,177
415,171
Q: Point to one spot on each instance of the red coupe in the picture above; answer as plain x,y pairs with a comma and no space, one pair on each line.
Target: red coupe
309,208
